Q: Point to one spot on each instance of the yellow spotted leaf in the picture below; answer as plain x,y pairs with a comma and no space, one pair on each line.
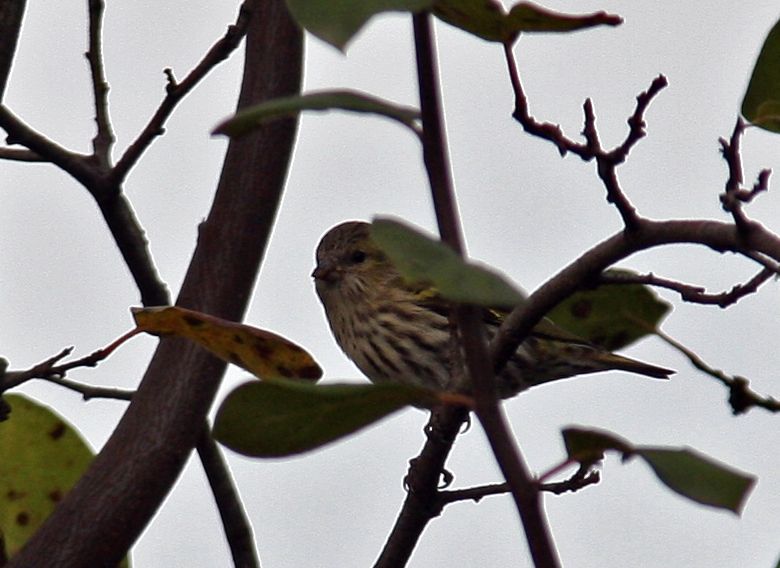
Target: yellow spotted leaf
263,353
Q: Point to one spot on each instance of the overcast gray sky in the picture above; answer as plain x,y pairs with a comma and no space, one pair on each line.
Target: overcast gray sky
525,210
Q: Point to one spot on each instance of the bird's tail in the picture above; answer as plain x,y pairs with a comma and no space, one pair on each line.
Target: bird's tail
614,361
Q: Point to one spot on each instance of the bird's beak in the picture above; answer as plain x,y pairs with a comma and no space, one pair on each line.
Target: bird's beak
325,271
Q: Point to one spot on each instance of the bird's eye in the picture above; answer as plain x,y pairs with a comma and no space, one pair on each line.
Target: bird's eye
357,257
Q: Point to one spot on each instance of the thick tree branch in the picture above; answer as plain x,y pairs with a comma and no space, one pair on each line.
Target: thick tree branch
716,235
11,15
111,504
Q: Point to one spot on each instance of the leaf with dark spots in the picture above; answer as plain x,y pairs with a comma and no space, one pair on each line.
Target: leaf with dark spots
263,353
611,315
42,457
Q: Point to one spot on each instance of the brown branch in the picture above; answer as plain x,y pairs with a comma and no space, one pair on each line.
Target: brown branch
17,155
88,392
741,397
77,165
238,530
606,161
49,370
176,91
104,137
735,195
422,482
716,235
11,14
581,478
691,293
99,519
468,318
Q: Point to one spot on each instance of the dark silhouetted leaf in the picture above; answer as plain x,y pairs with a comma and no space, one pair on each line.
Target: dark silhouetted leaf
488,20
761,104
337,21
252,117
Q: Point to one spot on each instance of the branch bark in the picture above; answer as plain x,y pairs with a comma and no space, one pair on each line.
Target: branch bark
105,512
11,14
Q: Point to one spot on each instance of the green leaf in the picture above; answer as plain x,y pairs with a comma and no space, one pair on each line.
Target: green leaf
699,477
422,259
42,458
282,418
761,105
337,21
683,470
587,445
611,315
251,118
488,20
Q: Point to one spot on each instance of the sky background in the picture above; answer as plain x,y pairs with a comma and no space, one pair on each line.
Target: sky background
524,210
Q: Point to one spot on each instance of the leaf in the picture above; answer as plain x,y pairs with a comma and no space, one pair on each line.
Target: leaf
283,418
699,477
761,105
251,118
262,353
488,20
338,21
611,315
683,470
420,258
587,446
42,458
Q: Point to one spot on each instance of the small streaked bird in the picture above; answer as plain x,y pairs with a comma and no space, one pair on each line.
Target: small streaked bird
400,332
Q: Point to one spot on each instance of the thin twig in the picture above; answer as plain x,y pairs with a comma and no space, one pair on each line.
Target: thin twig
49,369
104,137
606,160
176,91
89,392
741,397
691,293
735,195
238,530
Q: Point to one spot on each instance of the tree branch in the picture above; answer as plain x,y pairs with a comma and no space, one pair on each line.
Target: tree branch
716,235
422,482
691,293
238,530
104,137
741,397
469,319
175,92
104,513
11,15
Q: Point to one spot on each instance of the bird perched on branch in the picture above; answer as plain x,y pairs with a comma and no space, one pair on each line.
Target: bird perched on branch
400,332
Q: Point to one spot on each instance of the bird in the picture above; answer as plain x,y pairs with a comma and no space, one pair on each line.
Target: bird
399,331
